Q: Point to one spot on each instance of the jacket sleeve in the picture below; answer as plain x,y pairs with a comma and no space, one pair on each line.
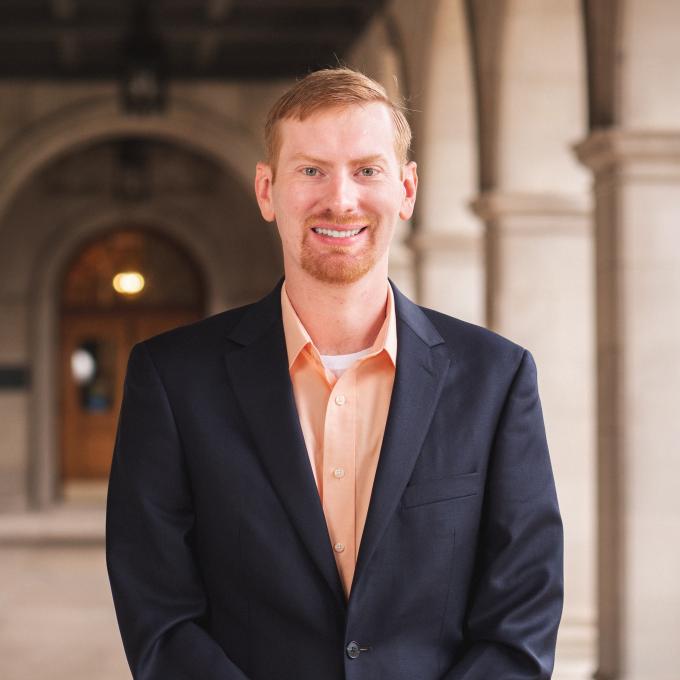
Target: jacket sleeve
515,604
157,590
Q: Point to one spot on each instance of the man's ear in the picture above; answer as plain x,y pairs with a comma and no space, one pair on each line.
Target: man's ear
263,190
410,184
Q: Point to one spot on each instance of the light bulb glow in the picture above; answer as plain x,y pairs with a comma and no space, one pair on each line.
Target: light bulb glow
128,283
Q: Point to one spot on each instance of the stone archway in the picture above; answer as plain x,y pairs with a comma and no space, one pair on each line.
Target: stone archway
187,123
448,243
120,288
48,266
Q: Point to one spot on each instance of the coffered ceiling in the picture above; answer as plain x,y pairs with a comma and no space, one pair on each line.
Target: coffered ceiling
223,39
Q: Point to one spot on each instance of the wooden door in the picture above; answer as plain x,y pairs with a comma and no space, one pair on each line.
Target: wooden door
94,354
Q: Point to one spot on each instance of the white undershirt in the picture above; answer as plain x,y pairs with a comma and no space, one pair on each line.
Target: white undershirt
339,363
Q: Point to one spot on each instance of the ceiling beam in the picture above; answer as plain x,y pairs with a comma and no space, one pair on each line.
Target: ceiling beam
286,5
202,38
27,33
248,70
64,12
208,45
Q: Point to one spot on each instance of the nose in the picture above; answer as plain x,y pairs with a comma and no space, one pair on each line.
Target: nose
342,194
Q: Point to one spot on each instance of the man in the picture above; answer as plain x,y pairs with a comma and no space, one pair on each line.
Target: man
334,482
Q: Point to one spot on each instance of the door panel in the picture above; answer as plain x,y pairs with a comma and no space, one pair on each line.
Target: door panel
95,349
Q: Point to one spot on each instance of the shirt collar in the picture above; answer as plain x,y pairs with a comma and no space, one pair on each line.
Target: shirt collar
297,337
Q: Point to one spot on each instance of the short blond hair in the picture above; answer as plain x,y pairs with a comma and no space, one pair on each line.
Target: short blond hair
326,89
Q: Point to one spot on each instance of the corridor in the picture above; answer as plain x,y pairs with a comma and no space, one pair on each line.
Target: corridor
547,139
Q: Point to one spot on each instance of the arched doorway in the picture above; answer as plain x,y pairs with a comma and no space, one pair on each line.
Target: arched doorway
120,288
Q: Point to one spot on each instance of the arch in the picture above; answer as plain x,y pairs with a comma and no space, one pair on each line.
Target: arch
603,37
48,266
90,120
396,53
383,54
648,96
132,247
542,98
447,125
448,239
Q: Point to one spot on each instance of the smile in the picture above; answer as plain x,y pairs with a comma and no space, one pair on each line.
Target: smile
335,233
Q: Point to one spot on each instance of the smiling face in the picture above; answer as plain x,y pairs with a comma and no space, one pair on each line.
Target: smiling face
338,193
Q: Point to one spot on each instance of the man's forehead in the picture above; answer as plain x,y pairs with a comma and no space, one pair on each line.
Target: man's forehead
338,110
298,136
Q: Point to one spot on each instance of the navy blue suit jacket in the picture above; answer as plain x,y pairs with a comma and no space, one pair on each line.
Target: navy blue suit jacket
218,553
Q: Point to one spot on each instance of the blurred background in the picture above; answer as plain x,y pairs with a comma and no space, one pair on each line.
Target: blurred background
547,134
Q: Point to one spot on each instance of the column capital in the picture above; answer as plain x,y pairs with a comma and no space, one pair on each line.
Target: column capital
433,241
647,153
533,212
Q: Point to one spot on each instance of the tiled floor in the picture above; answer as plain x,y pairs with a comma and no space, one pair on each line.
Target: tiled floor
56,616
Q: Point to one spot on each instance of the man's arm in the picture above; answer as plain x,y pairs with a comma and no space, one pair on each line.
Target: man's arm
156,587
516,601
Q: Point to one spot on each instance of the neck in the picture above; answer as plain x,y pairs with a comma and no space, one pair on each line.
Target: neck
340,318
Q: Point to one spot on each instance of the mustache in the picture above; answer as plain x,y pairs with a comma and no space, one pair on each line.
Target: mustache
340,220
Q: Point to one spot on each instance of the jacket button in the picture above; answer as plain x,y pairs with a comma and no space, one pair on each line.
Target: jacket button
353,650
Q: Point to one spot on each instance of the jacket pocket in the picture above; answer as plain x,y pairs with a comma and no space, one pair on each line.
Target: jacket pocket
441,489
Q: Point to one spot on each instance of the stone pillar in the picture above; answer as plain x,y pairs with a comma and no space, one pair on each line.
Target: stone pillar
539,294
402,262
450,272
637,199
14,404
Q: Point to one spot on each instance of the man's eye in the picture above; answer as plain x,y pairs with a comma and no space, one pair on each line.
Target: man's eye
368,172
310,172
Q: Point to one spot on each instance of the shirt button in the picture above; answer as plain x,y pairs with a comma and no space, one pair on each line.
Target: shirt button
339,473
340,399
339,547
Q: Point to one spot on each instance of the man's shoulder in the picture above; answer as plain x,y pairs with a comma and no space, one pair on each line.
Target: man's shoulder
473,342
201,338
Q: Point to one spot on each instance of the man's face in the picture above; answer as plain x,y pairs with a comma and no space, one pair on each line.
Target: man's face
338,193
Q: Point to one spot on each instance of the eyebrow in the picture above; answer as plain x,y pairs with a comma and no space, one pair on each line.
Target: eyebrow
307,159
365,160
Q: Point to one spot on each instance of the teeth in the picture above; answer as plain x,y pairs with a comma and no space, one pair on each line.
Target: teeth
337,234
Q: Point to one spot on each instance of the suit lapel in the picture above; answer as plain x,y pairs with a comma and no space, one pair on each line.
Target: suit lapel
422,364
261,381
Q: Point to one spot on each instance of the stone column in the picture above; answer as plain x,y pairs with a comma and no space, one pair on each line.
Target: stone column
637,198
539,294
450,272
14,399
401,266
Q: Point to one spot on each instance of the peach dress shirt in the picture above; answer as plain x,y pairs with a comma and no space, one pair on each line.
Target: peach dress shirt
343,421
